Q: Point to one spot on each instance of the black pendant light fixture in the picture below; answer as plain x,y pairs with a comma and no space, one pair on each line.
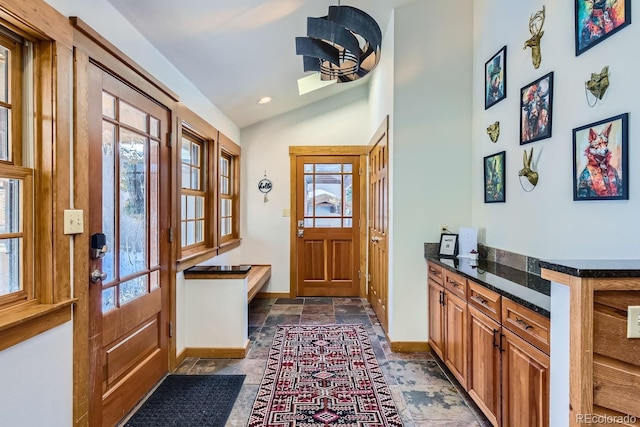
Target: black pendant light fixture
342,46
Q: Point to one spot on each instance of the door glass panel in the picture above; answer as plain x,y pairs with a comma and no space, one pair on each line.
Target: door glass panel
328,223
108,198
328,167
308,168
308,223
133,117
133,203
348,195
10,255
108,299
347,168
133,289
108,105
347,223
308,191
327,196
155,279
154,203
154,127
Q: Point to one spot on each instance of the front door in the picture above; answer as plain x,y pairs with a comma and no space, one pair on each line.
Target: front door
128,196
379,226
328,212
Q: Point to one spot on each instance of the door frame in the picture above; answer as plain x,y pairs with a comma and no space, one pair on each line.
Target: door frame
89,46
329,150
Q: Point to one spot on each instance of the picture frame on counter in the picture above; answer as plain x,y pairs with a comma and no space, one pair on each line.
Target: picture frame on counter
601,165
448,245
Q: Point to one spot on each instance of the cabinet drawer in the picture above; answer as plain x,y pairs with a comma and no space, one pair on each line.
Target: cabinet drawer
529,325
456,284
485,300
435,272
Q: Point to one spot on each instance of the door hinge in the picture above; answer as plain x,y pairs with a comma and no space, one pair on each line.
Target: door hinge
170,235
360,171
359,274
170,139
170,329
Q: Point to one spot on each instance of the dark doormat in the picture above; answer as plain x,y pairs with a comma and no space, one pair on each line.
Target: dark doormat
189,401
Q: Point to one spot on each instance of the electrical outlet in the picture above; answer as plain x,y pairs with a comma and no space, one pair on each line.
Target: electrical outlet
444,228
633,321
73,221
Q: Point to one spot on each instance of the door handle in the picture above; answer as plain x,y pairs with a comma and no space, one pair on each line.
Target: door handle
375,239
300,232
97,276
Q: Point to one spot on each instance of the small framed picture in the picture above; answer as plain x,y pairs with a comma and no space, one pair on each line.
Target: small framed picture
494,178
600,166
597,20
495,78
448,245
536,100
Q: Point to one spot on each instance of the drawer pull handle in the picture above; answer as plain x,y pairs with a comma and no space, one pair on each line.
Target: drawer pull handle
524,324
454,283
434,271
479,300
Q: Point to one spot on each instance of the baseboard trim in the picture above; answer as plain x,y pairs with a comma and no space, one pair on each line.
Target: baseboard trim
271,295
180,357
409,346
216,353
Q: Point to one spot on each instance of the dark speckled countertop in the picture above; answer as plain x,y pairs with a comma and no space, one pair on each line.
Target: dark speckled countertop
609,268
527,289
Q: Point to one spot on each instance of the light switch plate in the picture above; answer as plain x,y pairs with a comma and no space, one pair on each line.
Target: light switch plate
73,221
633,321
286,212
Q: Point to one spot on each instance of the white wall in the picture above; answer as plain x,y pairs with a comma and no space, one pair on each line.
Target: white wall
431,147
36,384
340,120
546,222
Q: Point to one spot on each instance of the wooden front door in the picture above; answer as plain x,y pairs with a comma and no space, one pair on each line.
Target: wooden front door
328,212
128,195
379,225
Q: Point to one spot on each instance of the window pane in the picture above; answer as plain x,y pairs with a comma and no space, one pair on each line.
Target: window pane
327,196
199,207
347,223
225,226
108,199
4,74
5,134
329,167
347,168
191,233
225,207
108,105
133,117
308,168
199,231
108,299
155,127
191,207
10,205
195,179
10,272
185,151
224,166
186,176
224,186
195,154
133,203
183,233
133,289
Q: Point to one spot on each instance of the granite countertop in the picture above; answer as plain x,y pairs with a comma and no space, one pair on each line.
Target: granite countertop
595,268
526,289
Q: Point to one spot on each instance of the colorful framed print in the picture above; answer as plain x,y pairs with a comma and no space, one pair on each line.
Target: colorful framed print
494,178
600,166
495,78
596,20
536,101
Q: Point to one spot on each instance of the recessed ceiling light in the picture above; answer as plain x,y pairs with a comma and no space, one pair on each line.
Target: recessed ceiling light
264,100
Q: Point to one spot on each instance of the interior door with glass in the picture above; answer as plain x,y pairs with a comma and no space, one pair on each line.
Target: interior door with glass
129,195
328,208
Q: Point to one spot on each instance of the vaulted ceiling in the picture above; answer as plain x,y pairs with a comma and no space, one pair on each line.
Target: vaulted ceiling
237,51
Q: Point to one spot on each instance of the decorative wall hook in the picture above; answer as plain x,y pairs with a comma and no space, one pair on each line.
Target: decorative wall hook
597,85
264,185
536,23
494,131
527,172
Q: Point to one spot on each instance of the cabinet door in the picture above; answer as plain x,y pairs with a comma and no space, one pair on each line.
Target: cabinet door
436,314
484,364
456,335
525,383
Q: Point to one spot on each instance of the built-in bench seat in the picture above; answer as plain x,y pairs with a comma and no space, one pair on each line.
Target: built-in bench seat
214,312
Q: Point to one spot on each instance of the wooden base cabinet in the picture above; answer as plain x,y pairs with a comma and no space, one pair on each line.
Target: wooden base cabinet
456,337
484,384
436,318
525,382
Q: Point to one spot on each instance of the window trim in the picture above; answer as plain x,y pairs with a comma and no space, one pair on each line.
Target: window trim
205,148
231,149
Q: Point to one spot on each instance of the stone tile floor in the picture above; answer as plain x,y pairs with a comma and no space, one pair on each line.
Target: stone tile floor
422,391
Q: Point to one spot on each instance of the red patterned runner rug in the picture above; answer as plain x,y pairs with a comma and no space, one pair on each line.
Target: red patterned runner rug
323,375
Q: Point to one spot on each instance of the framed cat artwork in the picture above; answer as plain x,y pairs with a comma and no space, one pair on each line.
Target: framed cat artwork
600,166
